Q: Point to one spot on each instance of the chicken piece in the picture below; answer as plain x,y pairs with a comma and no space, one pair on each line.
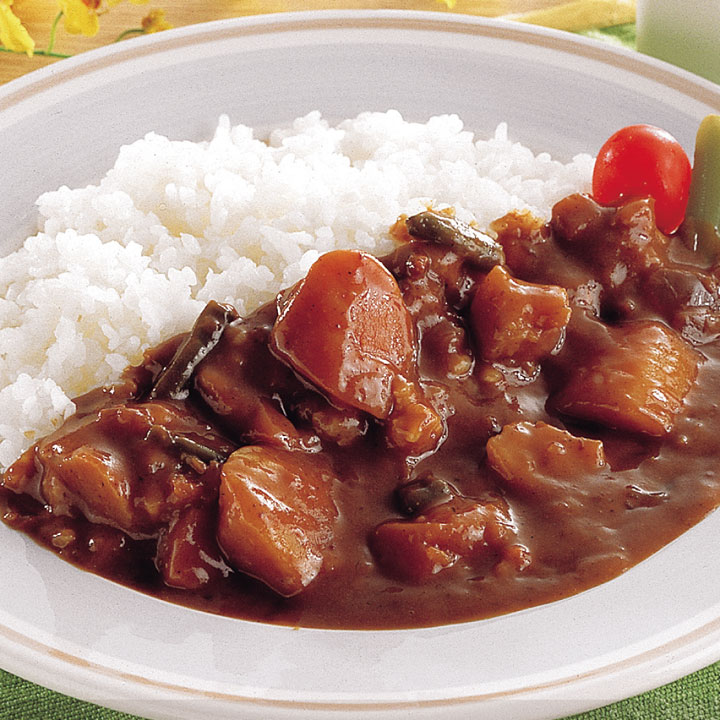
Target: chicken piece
616,243
250,417
240,380
128,466
445,353
90,480
188,556
637,383
527,243
434,541
688,299
537,460
276,516
340,426
345,328
535,254
435,285
518,321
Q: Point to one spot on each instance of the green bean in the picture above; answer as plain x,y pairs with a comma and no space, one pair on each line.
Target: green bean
477,247
184,445
203,337
701,228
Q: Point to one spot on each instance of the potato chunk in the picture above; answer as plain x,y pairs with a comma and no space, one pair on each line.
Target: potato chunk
566,485
518,321
532,458
461,528
637,384
276,516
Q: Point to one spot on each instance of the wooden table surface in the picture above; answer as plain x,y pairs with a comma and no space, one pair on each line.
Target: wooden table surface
38,16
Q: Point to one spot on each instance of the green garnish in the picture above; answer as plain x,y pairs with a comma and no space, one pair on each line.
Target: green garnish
701,228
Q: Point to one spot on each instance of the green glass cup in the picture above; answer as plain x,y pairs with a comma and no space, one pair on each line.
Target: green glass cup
683,32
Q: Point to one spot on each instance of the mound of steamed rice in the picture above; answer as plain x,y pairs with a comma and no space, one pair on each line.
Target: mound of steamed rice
120,266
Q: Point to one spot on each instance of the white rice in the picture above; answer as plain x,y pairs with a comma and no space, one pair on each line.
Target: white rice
118,267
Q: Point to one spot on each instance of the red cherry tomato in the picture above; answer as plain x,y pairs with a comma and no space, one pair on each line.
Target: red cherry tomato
644,161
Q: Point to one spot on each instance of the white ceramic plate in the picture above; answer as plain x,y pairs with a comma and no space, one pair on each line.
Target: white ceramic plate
95,640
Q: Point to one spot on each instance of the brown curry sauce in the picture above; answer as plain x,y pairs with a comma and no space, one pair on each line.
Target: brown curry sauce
486,427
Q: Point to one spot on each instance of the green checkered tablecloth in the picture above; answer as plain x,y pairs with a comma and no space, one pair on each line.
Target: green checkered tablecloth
696,697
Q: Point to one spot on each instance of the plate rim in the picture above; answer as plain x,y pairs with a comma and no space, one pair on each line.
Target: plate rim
705,637
19,89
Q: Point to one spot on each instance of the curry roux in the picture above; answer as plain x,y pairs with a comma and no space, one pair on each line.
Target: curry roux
471,426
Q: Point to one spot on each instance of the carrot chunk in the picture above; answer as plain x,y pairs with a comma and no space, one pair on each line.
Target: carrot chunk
518,321
638,384
345,328
188,556
276,516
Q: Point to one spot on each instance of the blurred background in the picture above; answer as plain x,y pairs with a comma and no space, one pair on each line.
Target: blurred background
34,26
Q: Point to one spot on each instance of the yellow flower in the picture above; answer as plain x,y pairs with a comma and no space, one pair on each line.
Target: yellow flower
13,34
155,21
80,16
